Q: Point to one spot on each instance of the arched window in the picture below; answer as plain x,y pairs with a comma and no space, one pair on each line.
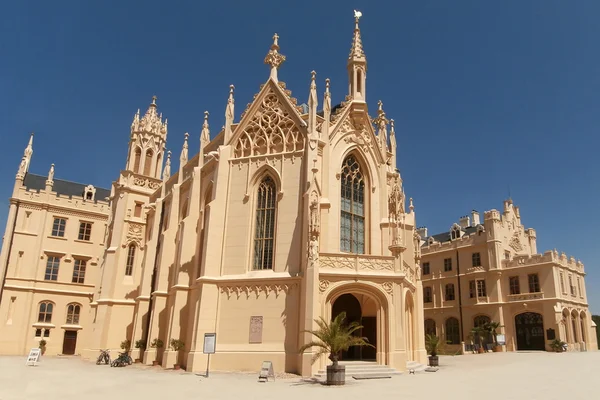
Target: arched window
264,236
73,314
148,162
130,260
452,331
481,320
455,232
430,327
136,160
45,314
352,226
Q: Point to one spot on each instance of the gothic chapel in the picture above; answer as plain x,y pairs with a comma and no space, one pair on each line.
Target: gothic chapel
288,214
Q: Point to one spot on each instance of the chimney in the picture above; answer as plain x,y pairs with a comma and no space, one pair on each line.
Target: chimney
422,231
464,222
475,218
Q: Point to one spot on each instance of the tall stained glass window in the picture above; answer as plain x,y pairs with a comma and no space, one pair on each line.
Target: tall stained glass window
264,236
352,235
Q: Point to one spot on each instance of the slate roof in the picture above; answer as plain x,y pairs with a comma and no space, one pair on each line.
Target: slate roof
66,188
445,236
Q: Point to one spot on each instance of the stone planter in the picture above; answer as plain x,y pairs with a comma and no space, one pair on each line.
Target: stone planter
154,363
497,349
480,350
434,361
336,374
176,367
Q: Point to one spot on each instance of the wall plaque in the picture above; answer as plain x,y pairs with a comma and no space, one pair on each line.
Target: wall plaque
256,328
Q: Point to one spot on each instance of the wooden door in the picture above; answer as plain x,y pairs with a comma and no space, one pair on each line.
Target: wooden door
69,342
370,332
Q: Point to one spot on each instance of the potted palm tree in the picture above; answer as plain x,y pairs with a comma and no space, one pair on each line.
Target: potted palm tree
492,327
141,345
332,339
156,344
433,345
478,333
177,345
43,346
557,345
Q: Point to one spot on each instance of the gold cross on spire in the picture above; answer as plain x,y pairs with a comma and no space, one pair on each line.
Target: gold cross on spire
274,58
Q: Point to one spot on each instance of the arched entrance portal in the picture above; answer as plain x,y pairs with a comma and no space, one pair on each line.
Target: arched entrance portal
363,311
530,331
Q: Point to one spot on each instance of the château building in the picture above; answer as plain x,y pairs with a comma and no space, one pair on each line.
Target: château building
482,271
287,214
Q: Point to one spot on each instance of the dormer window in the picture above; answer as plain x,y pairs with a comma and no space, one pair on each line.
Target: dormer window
89,193
430,241
455,232
480,229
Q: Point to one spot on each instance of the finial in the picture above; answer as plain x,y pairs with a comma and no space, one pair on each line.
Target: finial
411,206
313,75
50,175
380,109
205,119
205,134
356,50
274,58
357,15
231,89
154,98
185,137
327,85
392,130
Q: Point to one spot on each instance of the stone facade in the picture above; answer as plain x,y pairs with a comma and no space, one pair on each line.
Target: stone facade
490,270
292,213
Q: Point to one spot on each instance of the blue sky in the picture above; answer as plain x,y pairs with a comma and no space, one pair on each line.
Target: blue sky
486,95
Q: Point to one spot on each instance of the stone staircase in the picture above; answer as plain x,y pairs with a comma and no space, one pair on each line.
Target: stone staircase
363,370
415,366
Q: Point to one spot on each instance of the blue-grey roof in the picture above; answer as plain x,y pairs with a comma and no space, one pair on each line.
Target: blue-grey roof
445,236
66,188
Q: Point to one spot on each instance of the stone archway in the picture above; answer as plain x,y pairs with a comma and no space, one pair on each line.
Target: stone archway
529,328
349,304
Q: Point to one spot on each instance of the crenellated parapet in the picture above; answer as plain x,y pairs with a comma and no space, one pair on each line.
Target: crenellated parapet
551,256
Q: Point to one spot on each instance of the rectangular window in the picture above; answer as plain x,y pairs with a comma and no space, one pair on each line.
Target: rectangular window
52,268
426,269
507,255
449,292
137,211
85,231
481,291
427,297
58,227
46,332
79,271
447,264
476,259
534,283
515,287
471,289
38,333
579,287
562,282
571,285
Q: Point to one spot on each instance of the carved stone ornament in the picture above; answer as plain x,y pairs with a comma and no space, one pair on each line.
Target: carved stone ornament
314,214
134,234
313,250
323,285
515,242
150,123
257,291
271,131
388,287
145,183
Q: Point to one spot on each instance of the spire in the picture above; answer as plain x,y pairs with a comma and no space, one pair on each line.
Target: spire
327,100
151,122
393,144
274,58
229,114
381,121
356,51
205,134
183,158
312,105
167,170
26,160
357,64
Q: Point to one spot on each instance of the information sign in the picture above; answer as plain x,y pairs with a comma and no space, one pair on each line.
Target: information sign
34,356
266,372
210,341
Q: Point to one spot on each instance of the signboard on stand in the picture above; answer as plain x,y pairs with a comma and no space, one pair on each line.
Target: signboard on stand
501,339
210,344
34,356
266,372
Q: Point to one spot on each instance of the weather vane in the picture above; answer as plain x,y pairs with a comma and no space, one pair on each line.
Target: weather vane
357,14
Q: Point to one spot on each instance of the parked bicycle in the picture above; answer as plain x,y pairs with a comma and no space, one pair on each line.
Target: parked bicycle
123,360
104,357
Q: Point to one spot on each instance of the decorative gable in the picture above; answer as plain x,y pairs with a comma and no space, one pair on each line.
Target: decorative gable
271,129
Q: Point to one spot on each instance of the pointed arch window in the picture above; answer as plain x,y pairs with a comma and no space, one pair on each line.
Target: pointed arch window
45,314
452,331
264,236
130,260
136,160
73,311
148,162
352,226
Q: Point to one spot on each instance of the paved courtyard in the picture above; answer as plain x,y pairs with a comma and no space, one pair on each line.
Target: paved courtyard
491,376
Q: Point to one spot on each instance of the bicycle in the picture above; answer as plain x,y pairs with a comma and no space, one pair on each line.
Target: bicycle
104,357
123,360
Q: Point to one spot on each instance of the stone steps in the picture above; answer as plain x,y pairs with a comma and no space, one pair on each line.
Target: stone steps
363,370
415,366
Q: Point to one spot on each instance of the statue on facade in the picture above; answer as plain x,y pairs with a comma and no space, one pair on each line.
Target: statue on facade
314,217
313,250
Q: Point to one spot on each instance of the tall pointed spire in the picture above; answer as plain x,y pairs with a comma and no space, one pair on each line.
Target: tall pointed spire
204,139
357,64
26,160
312,105
393,145
167,170
229,114
50,180
327,101
183,158
274,58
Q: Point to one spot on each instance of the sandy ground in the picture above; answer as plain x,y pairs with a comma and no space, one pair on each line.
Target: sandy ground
505,376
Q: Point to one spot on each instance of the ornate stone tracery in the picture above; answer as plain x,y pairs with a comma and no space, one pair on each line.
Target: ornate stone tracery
134,234
271,131
396,209
258,290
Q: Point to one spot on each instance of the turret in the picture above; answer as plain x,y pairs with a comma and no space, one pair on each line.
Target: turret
147,142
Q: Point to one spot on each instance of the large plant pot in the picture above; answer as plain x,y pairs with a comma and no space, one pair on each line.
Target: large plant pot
480,350
434,361
154,363
176,367
336,374
497,349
